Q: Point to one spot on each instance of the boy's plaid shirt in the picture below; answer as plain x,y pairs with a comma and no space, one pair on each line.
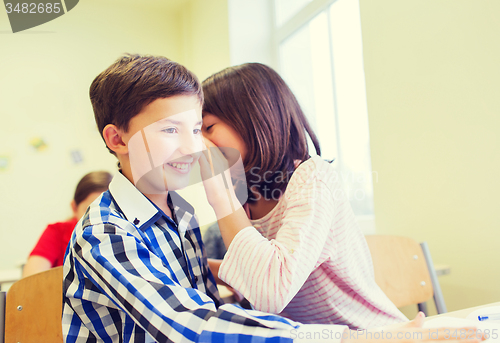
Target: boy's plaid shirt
131,274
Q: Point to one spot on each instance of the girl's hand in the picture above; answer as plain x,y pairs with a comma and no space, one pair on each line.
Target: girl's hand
216,178
232,159
418,322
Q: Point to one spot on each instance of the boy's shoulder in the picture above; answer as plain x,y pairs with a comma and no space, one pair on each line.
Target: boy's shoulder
104,210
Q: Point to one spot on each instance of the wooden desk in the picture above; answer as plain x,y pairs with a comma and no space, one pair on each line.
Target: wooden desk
463,313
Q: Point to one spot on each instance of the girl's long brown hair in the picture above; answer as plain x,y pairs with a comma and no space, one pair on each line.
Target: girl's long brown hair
256,102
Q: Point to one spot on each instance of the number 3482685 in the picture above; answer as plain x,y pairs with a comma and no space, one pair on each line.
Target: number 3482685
27,8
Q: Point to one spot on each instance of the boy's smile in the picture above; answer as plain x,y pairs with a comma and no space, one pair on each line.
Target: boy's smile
163,142
180,167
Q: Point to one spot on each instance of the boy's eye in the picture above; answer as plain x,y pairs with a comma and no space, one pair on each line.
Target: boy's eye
170,130
196,131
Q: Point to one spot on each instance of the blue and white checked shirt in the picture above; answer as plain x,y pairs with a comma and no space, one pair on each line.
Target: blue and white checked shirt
132,274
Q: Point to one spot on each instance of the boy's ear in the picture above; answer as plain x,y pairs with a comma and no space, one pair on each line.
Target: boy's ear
113,137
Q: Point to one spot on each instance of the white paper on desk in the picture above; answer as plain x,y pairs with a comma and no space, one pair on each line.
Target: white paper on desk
483,312
452,322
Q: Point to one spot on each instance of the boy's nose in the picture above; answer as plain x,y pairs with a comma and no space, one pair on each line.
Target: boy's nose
191,145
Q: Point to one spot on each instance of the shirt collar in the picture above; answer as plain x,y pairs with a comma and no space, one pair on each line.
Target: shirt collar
136,207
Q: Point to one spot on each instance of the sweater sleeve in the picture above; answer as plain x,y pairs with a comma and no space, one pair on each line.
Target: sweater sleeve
269,273
130,277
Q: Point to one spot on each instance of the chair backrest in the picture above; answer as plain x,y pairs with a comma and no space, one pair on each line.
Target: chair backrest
400,269
3,295
34,307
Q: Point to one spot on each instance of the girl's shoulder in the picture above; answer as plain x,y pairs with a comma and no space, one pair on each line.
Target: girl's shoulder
316,168
316,172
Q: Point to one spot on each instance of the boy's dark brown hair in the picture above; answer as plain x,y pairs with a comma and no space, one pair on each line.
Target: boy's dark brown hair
93,182
256,102
121,91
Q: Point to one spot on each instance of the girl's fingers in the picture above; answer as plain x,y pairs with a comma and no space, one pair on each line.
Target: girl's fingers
208,142
218,161
211,159
418,322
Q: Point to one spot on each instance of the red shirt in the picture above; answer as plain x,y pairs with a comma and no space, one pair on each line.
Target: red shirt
54,240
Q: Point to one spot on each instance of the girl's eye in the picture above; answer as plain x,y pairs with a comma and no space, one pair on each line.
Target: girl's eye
209,127
170,130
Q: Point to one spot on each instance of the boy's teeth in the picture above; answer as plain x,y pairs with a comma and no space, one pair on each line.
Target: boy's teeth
179,165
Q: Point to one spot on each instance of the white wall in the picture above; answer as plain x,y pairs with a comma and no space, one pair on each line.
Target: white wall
205,51
251,36
432,77
45,74
205,36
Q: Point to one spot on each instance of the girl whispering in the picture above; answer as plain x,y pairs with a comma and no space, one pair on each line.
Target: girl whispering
299,252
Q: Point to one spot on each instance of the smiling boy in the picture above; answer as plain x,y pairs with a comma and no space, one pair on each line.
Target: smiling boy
135,269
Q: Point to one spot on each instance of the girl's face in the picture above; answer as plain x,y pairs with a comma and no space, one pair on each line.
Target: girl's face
222,135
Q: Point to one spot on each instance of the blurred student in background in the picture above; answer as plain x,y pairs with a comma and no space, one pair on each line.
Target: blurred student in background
50,248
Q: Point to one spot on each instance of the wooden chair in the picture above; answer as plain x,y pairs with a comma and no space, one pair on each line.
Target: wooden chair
33,309
405,272
2,316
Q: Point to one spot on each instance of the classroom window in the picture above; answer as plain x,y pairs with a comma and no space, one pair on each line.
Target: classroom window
319,49
285,9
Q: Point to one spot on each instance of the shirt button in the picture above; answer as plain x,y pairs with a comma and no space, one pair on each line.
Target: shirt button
195,279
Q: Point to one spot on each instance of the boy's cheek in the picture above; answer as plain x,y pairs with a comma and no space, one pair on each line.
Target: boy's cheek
197,157
140,163
160,153
201,144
